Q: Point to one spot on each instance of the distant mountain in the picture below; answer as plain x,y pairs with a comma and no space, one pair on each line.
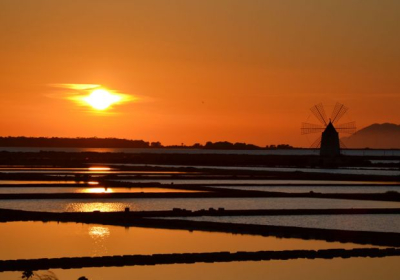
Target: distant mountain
376,136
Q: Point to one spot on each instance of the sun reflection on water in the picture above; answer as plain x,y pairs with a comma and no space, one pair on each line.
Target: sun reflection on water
96,206
97,190
93,183
96,232
99,234
99,168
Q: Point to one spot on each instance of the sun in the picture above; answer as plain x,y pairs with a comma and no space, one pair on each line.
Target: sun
101,99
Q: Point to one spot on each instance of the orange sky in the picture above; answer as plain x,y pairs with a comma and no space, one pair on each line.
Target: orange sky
242,71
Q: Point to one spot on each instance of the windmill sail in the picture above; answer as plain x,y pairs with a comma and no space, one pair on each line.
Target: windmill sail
317,143
342,145
348,128
319,112
338,112
307,128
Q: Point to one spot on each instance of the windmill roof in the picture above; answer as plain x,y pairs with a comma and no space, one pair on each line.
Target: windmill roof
330,128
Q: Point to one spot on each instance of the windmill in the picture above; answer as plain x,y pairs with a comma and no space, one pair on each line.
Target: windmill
329,142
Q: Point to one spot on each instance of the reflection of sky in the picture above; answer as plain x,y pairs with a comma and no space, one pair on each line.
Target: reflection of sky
320,189
99,234
95,206
19,182
216,182
68,205
97,168
97,190
85,170
366,222
83,240
134,190
360,171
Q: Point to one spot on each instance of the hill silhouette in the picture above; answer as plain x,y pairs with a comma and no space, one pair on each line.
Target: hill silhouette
375,136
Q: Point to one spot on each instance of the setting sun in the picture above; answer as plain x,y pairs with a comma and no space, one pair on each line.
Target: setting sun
95,96
101,99
200,139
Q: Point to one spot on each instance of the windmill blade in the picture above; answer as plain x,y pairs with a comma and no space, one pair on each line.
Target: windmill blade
342,145
317,143
308,128
319,112
338,112
349,128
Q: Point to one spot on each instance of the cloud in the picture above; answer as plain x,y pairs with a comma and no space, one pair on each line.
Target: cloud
76,86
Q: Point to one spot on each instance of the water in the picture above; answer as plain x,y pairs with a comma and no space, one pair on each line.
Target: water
86,170
378,222
388,161
89,205
251,181
287,189
38,240
24,240
347,171
369,152
91,190
163,151
316,189
20,182
83,171
355,269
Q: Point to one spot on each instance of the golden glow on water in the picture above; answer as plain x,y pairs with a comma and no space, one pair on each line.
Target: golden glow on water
95,206
354,268
97,190
24,240
99,168
99,231
99,234
132,190
93,183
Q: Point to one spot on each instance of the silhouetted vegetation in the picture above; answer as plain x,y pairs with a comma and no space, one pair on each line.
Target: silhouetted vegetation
72,142
230,146
29,274
94,142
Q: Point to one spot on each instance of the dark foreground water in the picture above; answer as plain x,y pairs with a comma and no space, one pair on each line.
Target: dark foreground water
349,152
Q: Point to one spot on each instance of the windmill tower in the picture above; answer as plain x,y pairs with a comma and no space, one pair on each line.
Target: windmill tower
329,142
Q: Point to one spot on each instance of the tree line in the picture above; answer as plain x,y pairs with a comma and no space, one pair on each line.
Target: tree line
94,142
